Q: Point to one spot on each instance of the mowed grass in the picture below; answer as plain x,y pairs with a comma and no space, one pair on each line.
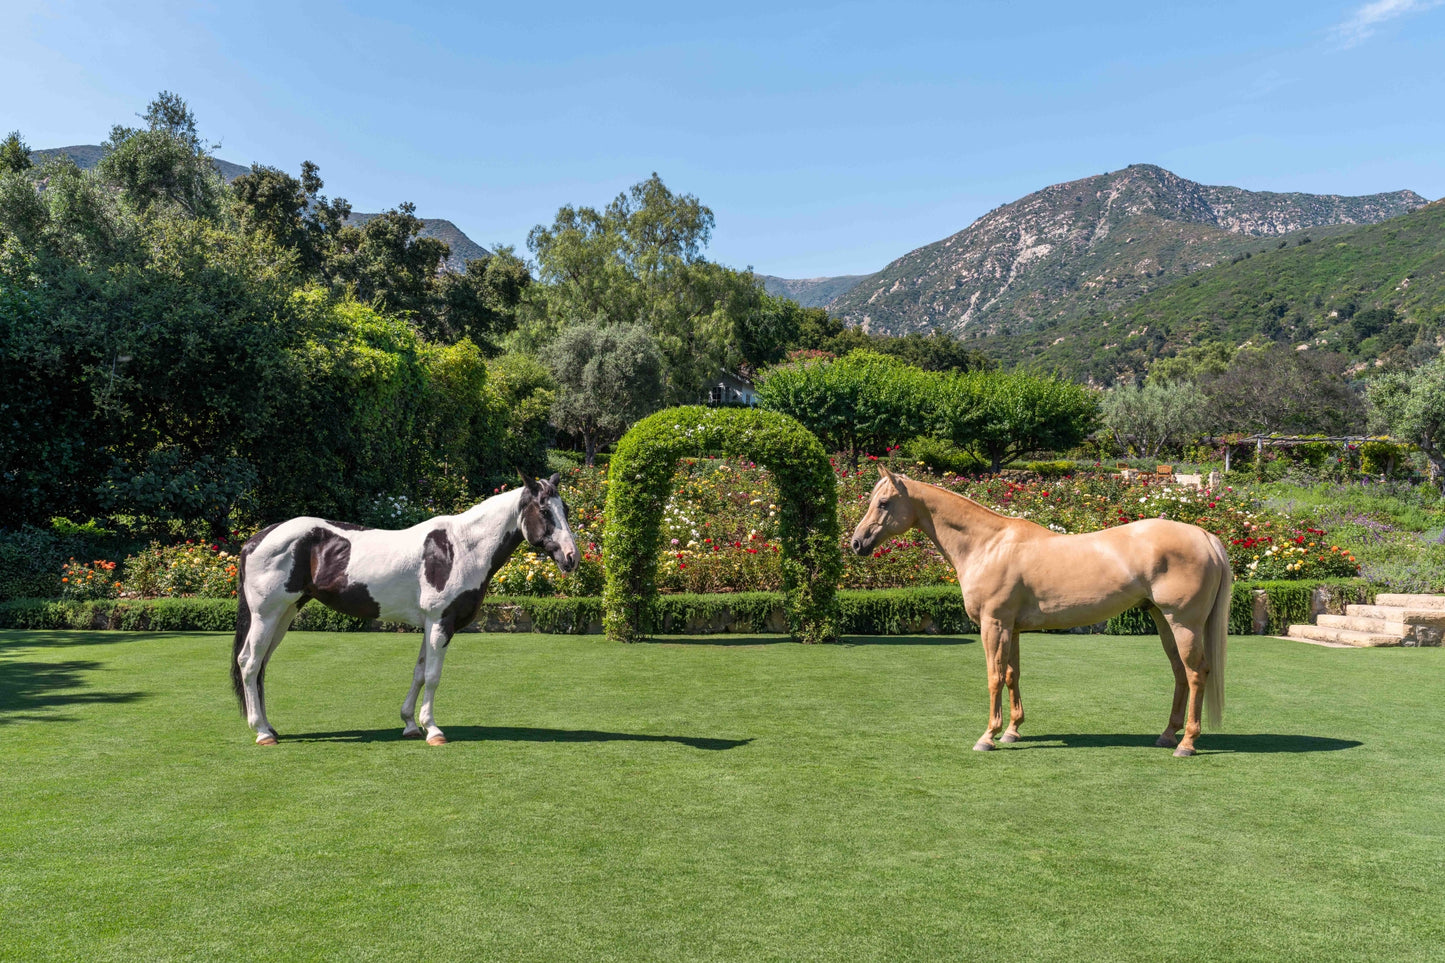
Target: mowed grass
714,802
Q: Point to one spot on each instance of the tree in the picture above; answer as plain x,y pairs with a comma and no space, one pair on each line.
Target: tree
1154,416
608,376
385,262
999,416
1279,389
865,401
166,164
480,303
14,154
1193,363
640,261
1411,406
291,213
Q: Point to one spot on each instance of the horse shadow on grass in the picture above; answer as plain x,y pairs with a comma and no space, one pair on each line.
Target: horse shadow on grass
519,734
31,691
752,641
1209,743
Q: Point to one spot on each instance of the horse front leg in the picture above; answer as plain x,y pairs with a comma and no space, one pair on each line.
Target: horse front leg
437,639
996,638
410,729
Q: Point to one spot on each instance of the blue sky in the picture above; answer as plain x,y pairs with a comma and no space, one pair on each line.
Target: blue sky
827,138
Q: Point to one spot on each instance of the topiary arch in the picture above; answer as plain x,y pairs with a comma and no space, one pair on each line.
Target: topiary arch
639,482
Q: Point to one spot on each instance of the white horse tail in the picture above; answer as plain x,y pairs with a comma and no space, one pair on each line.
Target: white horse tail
1216,633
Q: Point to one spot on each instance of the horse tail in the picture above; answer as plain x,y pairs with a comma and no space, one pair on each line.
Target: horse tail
1216,632
243,629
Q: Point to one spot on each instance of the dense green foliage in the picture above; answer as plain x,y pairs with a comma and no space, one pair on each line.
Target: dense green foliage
641,474
860,403
726,802
180,352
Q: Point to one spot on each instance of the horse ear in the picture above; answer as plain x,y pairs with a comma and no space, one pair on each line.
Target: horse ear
887,474
554,480
529,482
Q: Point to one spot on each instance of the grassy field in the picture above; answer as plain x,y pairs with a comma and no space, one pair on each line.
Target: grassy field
714,802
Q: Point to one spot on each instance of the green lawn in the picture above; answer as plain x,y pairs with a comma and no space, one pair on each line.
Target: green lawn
721,802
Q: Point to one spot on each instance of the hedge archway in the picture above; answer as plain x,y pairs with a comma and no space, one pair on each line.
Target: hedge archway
639,483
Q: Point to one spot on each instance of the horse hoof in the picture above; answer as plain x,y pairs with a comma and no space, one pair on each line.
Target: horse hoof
1009,737
437,740
1166,742
1182,752
413,734
983,745
266,741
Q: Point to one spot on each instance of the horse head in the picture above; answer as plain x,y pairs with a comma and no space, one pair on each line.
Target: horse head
890,512
543,520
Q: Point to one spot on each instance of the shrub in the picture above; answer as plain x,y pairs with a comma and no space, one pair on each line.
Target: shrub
807,518
84,581
208,571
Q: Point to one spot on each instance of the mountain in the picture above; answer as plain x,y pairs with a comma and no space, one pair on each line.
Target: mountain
463,248
810,292
1087,247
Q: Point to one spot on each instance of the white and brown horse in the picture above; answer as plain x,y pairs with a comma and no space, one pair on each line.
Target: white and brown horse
432,575
1018,576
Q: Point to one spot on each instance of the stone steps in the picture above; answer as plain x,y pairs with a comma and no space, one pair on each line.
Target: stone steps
1365,623
1393,619
1350,637
1411,601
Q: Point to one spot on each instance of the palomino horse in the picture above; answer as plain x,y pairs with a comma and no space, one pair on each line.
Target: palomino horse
432,575
1019,576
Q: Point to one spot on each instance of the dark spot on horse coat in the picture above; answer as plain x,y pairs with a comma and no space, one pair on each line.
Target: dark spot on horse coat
436,556
462,611
318,569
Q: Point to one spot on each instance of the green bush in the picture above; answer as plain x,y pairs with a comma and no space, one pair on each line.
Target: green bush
640,478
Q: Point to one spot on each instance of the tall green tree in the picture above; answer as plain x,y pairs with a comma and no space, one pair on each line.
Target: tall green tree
14,154
608,376
164,165
641,261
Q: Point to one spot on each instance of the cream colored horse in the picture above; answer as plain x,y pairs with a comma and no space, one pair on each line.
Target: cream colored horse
1018,576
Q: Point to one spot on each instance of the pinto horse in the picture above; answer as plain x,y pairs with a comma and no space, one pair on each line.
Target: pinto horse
432,575
1019,576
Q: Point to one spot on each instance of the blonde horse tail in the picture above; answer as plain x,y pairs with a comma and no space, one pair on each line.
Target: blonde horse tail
1216,631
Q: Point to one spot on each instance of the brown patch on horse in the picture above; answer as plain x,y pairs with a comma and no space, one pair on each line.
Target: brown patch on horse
436,558
318,569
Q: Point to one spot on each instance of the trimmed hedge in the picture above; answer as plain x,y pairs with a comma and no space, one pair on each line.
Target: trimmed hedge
639,482
935,609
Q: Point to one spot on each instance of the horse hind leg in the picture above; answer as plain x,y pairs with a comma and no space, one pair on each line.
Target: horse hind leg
410,729
1190,644
1016,699
272,643
1169,738
265,621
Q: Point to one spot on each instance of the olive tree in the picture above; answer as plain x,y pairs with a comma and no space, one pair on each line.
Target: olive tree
1155,416
608,376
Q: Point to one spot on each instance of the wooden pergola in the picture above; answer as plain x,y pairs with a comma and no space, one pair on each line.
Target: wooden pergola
1286,441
